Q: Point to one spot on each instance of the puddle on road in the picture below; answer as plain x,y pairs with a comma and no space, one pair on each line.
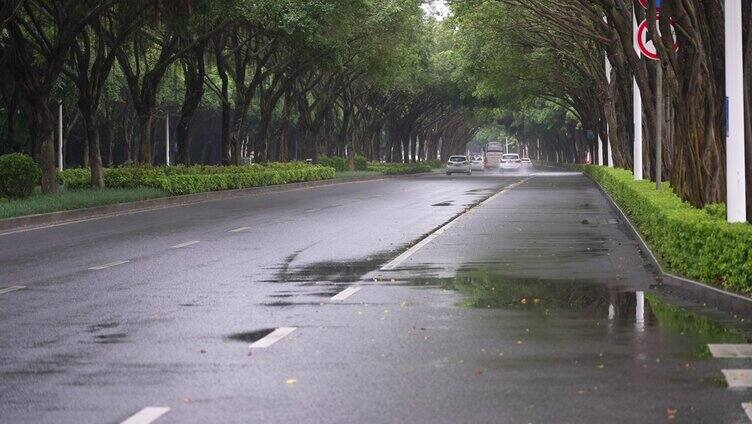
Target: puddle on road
336,271
103,326
110,338
250,336
615,305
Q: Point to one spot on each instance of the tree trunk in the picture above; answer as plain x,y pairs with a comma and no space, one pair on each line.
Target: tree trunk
42,120
95,158
194,71
143,151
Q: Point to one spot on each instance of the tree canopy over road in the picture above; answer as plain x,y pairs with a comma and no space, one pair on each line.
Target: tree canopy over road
543,62
296,79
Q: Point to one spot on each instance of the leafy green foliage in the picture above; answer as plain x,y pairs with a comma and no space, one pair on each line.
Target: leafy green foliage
75,178
361,163
399,168
178,184
692,242
339,164
19,175
149,176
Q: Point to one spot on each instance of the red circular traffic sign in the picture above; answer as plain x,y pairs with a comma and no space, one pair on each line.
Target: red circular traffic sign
647,47
645,4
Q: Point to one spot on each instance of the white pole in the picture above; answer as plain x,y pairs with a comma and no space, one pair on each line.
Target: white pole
640,311
637,111
608,130
167,139
736,196
60,138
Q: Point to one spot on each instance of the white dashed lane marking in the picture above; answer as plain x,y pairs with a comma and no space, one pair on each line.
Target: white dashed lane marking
147,415
731,350
186,244
239,230
273,337
109,265
396,262
344,294
738,378
11,289
747,406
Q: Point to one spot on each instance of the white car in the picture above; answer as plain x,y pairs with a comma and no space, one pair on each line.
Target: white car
477,163
457,164
510,161
526,161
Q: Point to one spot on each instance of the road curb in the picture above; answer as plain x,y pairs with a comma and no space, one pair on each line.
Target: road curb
685,287
23,223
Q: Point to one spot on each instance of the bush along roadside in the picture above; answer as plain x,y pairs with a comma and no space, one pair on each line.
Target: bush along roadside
695,243
143,176
19,175
196,183
399,168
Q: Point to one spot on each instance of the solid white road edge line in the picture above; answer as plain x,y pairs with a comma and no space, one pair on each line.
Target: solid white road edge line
396,262
11,289
239,230
344,294
109,265
272,337
186,244
147,415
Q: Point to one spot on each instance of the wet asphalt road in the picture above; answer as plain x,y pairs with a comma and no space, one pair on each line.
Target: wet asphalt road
535,306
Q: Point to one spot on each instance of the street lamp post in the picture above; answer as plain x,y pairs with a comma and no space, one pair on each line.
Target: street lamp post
60,138
167,139
637,117
736,200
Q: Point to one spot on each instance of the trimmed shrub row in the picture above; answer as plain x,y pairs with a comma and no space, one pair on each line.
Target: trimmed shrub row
399,168
192,183
340,164
145,176
696,243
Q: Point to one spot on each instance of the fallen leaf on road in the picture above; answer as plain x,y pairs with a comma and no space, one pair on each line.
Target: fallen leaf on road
478,372
671,413
291,381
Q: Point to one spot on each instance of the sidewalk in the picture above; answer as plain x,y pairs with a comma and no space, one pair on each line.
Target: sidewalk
558,316
557,227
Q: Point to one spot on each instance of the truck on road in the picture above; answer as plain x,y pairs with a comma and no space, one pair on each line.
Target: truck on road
493,153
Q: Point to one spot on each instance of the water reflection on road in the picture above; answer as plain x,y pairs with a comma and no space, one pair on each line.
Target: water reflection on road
618,308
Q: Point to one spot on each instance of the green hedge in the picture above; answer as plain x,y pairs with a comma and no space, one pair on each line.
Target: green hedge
696,243
192,183
19,174
147,176
339,164
361,163
399,168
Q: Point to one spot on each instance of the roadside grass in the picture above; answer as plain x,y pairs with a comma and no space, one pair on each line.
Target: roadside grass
74,199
